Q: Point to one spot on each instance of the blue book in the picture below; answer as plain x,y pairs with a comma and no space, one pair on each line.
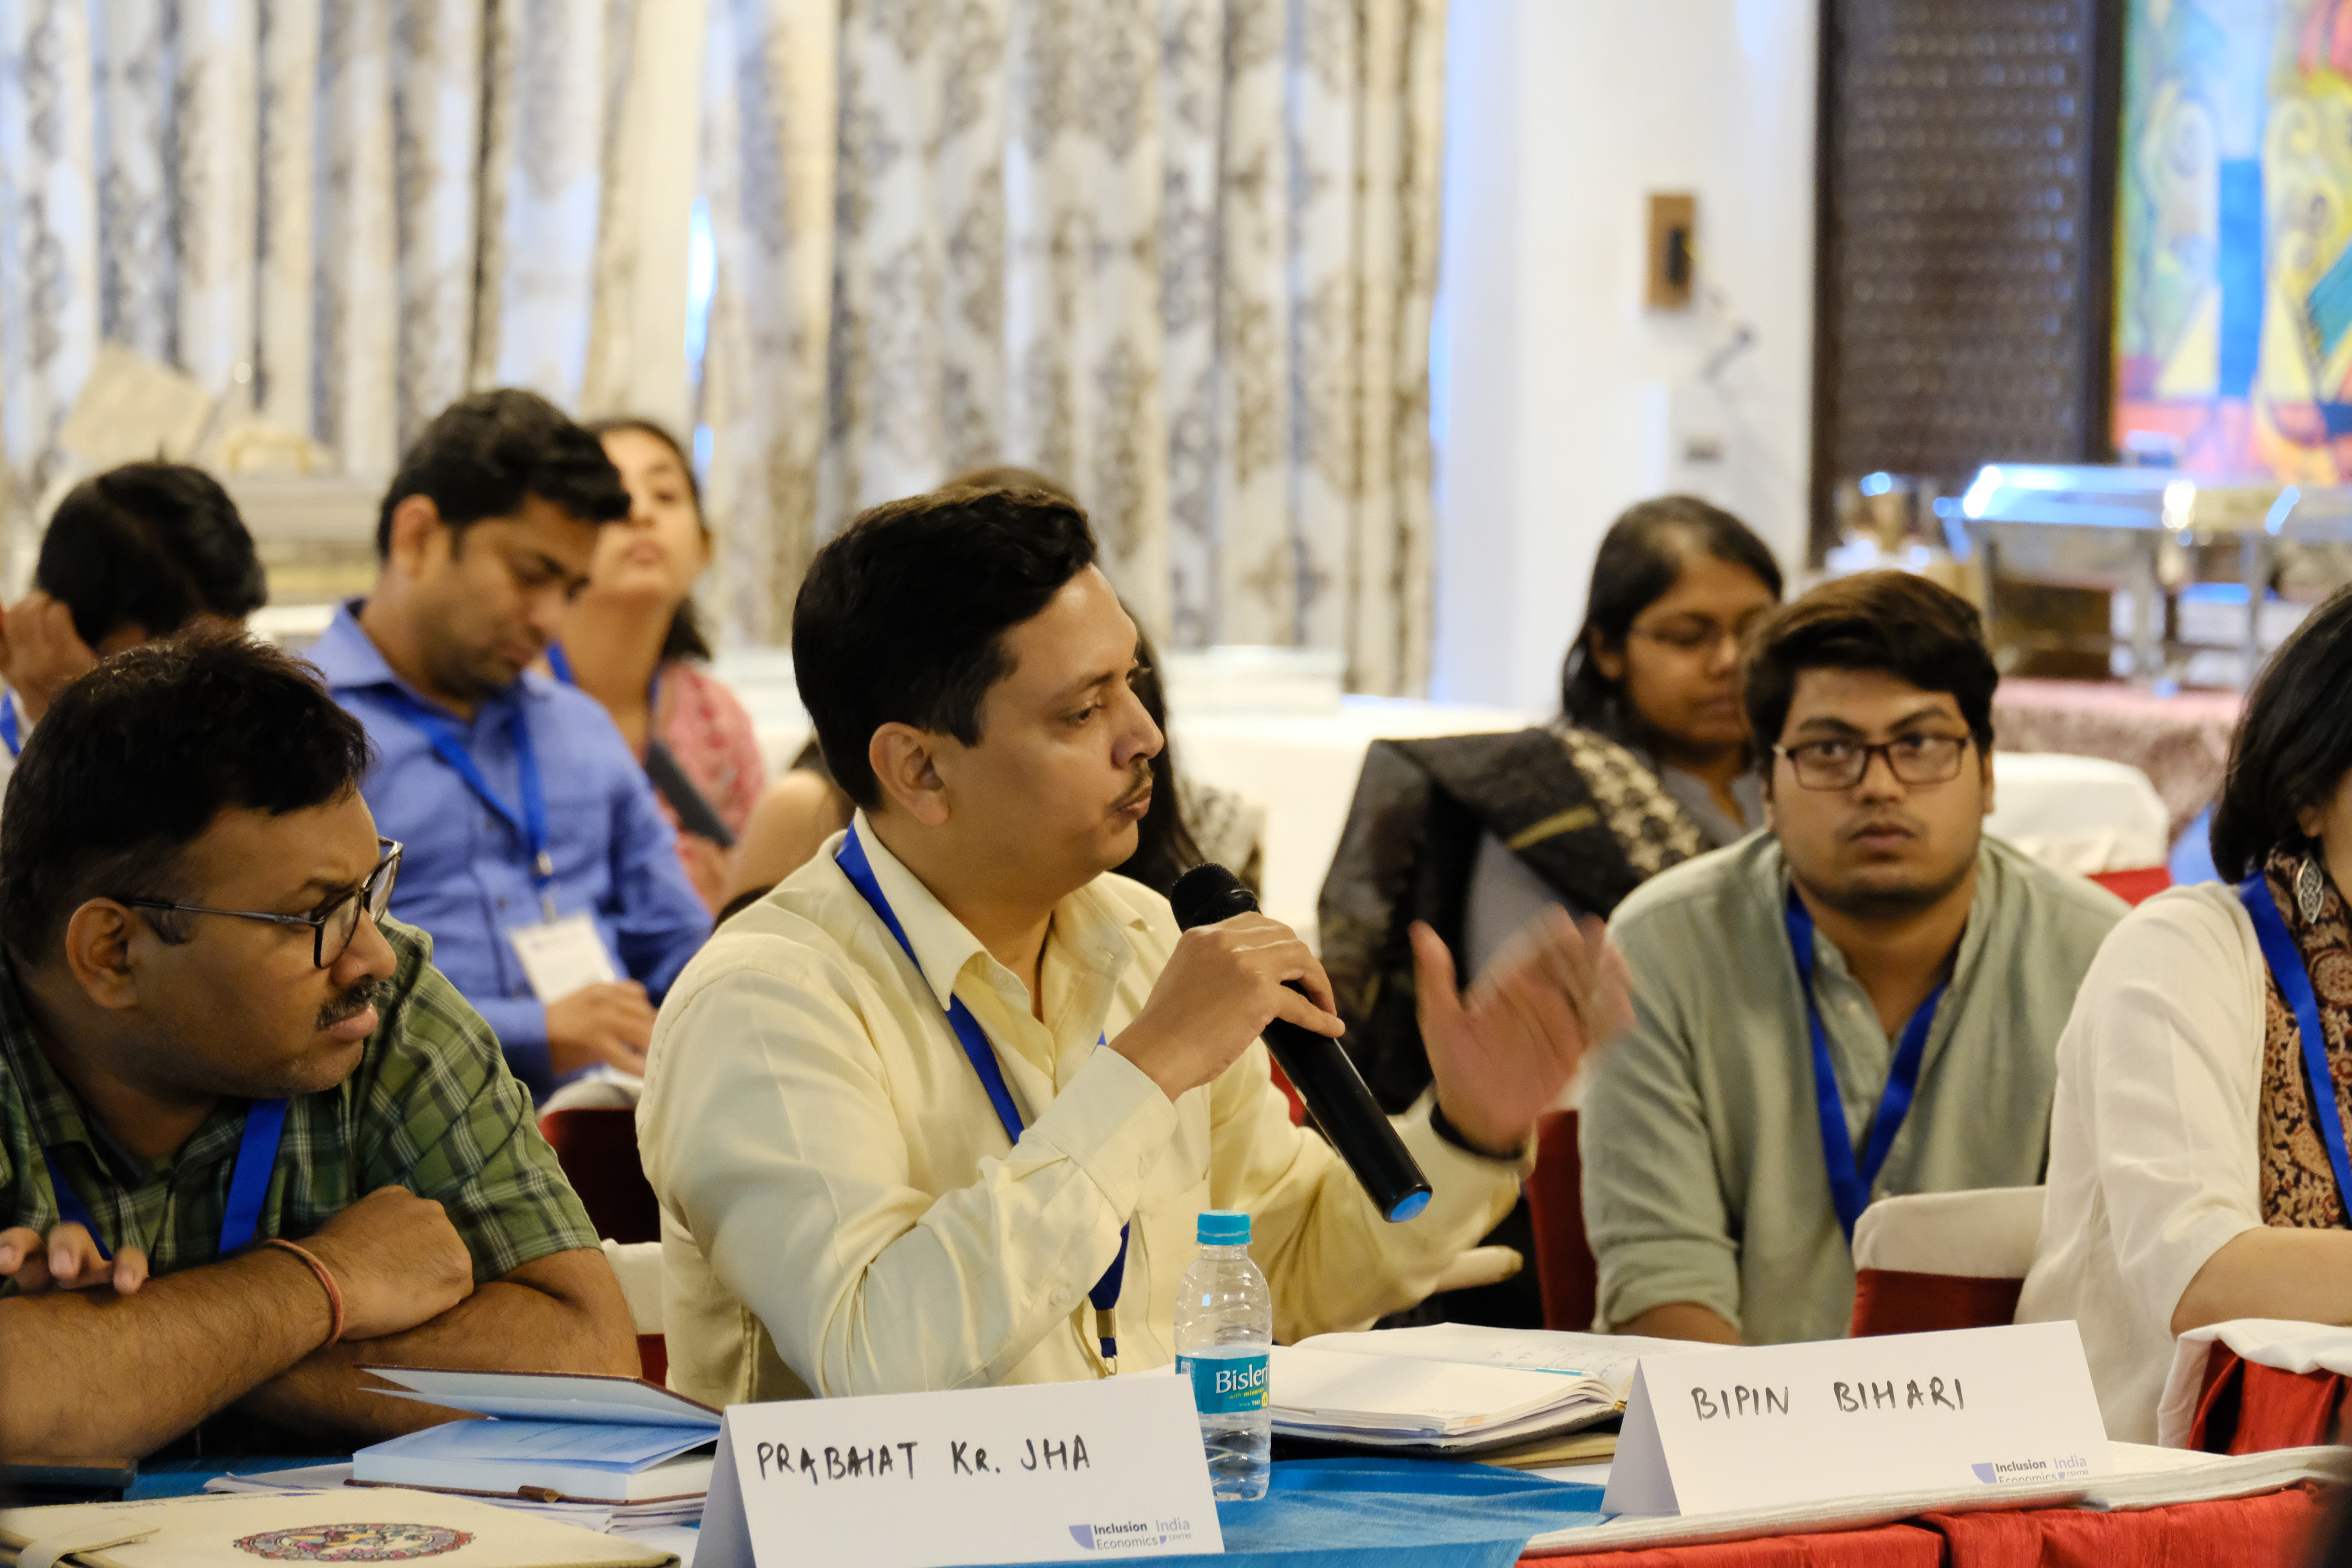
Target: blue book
547,1436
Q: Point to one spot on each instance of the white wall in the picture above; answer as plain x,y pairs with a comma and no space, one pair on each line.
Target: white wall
1561,398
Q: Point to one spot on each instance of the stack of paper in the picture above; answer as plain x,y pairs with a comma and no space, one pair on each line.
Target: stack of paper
1453,1388
607,1518
549,1438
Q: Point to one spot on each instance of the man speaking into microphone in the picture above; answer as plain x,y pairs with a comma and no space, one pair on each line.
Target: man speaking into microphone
941,1112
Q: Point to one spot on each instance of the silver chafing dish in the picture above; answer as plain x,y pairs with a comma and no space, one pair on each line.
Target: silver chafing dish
2202,566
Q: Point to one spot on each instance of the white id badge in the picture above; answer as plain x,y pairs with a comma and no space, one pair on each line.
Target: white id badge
558,957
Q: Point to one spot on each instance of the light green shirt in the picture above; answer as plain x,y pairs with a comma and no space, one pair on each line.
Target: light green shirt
1704,1176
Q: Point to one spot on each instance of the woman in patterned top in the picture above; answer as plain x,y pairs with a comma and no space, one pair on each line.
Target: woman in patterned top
632,642
2194,1177
1656,668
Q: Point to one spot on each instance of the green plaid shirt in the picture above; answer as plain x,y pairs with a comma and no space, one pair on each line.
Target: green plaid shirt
430,1107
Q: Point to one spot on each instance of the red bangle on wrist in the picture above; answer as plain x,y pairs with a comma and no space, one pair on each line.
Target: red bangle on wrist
326,1281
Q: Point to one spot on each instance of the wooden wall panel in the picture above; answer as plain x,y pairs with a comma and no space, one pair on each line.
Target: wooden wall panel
1965,227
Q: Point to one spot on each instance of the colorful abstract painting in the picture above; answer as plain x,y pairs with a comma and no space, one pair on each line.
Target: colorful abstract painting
2233,298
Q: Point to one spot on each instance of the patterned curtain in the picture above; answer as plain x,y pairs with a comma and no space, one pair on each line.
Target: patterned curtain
1179,254
344,213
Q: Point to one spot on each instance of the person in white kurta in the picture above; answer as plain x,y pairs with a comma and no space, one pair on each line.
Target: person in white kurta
2191,1181
2152,1151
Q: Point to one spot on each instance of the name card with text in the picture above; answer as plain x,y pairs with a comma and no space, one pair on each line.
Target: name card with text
1787,1423
1040,1473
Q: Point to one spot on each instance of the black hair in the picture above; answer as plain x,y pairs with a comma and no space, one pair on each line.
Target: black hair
135,759
151,545
685,638
483,455
2292,744
1010,477
902,616
1894,622
1640,558
1164,845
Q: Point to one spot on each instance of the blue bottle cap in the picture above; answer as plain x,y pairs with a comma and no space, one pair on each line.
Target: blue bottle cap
1224,1227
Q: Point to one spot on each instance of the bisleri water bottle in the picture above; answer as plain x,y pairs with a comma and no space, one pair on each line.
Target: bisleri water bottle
1224,1324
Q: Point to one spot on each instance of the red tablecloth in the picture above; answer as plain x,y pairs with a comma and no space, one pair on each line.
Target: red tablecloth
2272,1530
1889,1546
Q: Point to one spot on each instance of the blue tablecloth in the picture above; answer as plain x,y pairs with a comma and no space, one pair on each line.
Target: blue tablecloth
1318,1513
1392,1514
186,1477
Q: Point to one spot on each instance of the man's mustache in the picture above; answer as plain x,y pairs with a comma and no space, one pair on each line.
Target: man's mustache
351,1004
1137,791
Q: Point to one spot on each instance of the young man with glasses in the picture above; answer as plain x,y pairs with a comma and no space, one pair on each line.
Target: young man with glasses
250,1139
1864,1001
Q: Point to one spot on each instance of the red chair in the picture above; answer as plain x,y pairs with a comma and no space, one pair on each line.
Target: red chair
2133,887
1565,1271
2248,1408
1943,1260
598,1151
597,1147
1282,1082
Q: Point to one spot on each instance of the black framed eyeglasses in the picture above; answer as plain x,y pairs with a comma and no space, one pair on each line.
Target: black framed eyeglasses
1913,760
332,927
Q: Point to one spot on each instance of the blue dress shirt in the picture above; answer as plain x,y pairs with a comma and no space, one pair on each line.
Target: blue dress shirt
466,876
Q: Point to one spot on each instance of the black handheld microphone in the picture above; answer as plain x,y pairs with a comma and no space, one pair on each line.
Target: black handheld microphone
1317,1068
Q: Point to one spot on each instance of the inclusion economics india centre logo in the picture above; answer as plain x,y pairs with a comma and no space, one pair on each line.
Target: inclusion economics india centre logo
2058,1469
1130,1533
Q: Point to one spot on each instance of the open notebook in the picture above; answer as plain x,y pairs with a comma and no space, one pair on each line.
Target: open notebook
555,1437
1453,1388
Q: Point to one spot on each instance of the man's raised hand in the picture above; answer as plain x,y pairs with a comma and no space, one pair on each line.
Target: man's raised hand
1503,1054
40,652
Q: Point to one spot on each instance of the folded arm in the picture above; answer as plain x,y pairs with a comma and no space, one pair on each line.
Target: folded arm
2303,1276
562,1312
121,1376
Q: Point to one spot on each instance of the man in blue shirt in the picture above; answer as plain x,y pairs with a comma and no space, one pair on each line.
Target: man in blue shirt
537,857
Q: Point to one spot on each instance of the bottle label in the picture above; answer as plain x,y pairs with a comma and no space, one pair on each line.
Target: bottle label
1225,1384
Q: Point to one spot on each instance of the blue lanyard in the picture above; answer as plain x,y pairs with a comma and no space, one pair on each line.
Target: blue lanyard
860,871
560,663
1851,1180
2294,979
256,1152
531,824
10,735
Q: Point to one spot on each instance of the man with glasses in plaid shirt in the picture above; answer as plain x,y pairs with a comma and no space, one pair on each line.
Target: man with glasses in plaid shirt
250,1139
1864,1000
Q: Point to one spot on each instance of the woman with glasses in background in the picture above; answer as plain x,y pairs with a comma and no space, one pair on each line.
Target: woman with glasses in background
1677,584
1649,764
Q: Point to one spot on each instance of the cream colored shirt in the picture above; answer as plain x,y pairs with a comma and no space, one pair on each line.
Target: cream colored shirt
841,1212
2154,1163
